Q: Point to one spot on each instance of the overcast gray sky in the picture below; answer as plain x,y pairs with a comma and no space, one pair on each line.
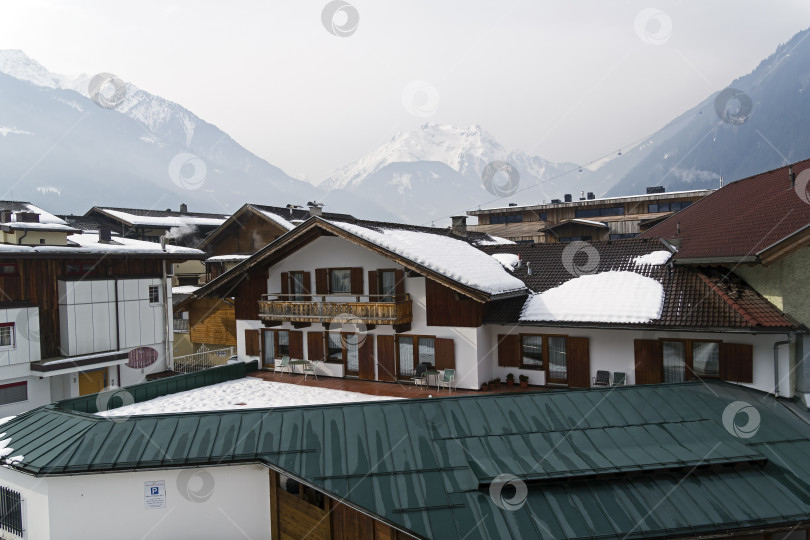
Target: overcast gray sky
569,81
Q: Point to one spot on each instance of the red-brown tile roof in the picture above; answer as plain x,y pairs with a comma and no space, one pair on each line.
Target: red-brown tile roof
741,219
695,298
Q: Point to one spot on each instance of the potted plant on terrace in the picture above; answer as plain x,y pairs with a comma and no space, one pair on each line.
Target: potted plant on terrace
485,386
497,382
524,381
510,379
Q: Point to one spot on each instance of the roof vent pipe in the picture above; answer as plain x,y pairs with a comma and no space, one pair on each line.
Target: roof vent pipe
792,177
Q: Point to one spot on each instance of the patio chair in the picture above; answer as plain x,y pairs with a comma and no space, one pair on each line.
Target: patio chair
419,378
284,364
309,369
447,379
602,378
619,378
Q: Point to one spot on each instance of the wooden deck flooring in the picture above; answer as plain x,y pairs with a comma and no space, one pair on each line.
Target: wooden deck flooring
375,388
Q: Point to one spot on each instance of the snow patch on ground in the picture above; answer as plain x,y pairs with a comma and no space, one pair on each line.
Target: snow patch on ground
656,258
249,393
609,297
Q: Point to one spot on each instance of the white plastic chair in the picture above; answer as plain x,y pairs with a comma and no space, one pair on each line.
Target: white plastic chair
448,377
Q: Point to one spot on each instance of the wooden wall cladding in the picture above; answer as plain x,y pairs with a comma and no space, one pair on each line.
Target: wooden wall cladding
212,320
446,307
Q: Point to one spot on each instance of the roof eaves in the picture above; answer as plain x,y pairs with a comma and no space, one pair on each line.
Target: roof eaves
795,240
739,259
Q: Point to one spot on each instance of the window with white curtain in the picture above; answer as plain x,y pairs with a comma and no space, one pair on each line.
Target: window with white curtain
388,287
407,361
427,350
335,345
674,361
352,356
340,281
532,356
706,358
557,358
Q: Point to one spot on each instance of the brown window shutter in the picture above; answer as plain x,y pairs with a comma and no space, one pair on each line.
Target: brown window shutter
579,362
399,279
373,286
445,353
365,356
285,283
357,281
296,345
315,346
737,362
386,358
307,283
649,361
321,281
252,342
509,350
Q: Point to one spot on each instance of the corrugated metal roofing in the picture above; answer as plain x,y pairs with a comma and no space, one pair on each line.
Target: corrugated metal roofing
637,460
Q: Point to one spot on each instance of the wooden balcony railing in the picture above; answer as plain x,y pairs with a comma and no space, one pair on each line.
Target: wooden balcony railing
369,309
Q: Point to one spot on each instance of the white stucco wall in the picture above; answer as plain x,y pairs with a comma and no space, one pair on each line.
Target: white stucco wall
209,502
612,350
337,253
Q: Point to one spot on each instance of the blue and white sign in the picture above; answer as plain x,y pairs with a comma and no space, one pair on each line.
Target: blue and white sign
154,494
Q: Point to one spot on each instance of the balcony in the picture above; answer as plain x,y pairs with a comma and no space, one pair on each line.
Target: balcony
368,309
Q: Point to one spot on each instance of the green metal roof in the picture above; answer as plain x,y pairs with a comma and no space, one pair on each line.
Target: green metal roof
636,461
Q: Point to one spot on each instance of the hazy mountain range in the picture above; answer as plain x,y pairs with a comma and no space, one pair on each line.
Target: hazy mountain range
64,152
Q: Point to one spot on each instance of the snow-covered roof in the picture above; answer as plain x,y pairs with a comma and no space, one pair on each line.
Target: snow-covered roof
88,244
278,219
493,241
455,259
588,222
163,221
228,258
54,227
184,289
250,393
606,297
655,258
508,260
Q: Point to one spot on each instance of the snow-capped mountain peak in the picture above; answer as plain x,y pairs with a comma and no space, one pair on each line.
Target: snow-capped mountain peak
466,150
19,65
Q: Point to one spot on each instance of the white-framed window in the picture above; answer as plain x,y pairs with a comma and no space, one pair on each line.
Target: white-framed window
7,338
154,294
